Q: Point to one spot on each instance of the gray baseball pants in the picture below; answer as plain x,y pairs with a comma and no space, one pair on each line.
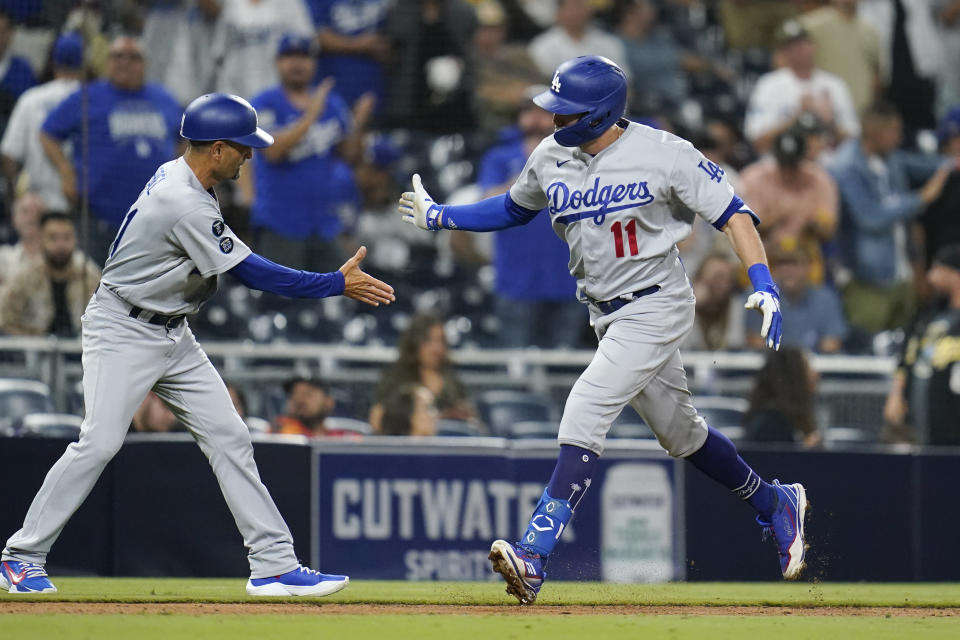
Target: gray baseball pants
638,363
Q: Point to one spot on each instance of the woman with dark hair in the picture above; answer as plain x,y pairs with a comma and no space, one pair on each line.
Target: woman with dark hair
782,400
423,358
409,411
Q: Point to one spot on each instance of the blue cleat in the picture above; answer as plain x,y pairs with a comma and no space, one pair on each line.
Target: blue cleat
299,582
24,577
786,527
522,569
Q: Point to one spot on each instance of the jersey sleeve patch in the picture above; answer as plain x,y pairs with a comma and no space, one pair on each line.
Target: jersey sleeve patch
702,185
209,242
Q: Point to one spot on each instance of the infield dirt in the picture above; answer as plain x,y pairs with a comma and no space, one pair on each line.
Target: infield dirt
320,608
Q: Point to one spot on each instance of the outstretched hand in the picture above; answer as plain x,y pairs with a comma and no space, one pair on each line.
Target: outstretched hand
417,207
360,286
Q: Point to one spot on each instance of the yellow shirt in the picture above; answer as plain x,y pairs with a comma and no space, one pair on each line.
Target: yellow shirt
847,48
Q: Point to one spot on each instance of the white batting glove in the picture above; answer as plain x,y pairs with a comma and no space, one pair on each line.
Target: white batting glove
417,207
767,302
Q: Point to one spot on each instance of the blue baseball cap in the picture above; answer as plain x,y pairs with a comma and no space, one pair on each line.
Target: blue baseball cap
382,151
68,51
949,125
292,44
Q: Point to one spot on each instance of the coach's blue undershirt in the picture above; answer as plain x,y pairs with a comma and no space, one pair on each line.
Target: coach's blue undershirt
490,214
259,273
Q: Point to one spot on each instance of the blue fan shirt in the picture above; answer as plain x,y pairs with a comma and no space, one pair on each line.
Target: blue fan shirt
355,75
300,196
531,262
131,133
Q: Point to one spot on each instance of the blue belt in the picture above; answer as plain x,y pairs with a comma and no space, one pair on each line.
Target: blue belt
609,306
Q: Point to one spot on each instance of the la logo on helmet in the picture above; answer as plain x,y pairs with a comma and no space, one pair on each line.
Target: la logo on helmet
555,85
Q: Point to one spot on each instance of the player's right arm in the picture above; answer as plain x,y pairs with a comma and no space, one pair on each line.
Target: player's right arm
490,214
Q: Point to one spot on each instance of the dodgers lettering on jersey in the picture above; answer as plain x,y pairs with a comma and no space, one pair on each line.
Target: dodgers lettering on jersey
623,211
606,199
172,245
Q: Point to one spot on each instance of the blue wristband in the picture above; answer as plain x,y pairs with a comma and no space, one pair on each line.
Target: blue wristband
761,279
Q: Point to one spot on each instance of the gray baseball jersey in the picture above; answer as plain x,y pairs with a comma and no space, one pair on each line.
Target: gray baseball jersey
172,245
623,211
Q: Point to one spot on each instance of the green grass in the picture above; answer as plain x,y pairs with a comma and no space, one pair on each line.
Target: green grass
542,620
491,593
444,627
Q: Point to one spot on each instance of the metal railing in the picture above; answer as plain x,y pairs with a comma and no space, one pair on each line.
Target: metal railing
851,393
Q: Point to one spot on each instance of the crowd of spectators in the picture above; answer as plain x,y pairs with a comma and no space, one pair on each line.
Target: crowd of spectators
838,121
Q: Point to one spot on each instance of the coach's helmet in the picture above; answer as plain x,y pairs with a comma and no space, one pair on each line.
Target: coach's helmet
592,85
222,116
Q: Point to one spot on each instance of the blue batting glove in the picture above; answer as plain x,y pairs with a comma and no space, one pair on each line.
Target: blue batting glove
766,299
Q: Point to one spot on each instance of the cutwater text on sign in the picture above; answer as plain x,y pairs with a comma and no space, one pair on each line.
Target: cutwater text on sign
467,510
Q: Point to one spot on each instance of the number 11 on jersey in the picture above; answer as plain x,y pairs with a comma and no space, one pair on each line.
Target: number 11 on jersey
631,228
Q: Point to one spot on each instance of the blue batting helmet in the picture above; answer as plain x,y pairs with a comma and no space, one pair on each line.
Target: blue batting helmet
222,116
591,85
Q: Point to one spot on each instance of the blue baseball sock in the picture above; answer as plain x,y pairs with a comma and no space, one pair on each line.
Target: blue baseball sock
718,458
573,474
570,480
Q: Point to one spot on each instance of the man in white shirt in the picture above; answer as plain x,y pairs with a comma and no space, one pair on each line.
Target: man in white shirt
245,40
574,35
780,96
21,154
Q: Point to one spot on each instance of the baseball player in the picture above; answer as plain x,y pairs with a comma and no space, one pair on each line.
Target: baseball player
163,264
622,195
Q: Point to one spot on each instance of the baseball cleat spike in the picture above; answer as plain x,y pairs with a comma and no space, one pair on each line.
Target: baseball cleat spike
522,570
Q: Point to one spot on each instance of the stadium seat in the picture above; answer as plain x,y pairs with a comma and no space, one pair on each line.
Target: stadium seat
722,412
347,425
257,425
733,433
49,425
19,397
632,430
447,427
533,429
834,436
500,410
629,424
74,399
